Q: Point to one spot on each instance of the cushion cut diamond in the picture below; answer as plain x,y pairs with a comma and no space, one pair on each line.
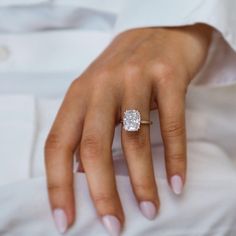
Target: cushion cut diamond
131,120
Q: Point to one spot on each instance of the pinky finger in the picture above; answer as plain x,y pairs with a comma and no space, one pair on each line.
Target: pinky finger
171,106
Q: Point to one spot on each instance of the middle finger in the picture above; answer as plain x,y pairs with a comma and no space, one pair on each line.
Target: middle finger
96,156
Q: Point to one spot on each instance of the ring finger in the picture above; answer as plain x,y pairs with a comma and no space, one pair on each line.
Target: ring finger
137,150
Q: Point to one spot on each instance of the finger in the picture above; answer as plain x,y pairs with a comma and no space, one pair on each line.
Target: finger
59,149
137,150
96,155
171,104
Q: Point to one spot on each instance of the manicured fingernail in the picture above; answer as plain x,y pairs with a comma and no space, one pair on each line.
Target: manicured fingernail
177,184
112,224
148,209
60,220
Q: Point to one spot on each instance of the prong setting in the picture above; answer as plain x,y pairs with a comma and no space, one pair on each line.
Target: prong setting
131,120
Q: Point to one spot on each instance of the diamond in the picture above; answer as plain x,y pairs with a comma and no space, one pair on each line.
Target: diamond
131,120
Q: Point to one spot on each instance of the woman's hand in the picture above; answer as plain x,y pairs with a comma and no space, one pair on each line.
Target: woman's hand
141,69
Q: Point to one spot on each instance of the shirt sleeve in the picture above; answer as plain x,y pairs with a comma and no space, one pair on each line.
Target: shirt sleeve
216,13
7,3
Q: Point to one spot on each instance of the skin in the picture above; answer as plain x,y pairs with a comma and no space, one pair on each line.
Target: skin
143,69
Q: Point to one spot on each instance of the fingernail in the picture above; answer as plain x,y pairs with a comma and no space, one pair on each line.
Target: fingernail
112,224
60,220
148,209
176,184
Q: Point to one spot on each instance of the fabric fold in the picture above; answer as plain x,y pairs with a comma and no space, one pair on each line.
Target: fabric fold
217,13
17,130
203,198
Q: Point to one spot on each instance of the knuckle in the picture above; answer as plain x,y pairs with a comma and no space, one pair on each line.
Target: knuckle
173,129
132,69
162,72
59,187
176,163
75,86
102,198
75,83
103,72
56,142
90,146
177,157
53,142
136,141
102,83
140,186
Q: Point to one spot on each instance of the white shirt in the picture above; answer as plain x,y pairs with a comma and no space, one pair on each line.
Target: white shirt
44,45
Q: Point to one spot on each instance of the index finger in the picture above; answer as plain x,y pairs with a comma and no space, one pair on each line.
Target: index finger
59,150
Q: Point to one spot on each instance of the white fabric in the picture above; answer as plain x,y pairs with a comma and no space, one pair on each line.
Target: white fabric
43,51
54,18
69,47
206,208
217,13
17,115
8,3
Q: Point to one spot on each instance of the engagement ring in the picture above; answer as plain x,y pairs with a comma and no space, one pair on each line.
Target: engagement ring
132,120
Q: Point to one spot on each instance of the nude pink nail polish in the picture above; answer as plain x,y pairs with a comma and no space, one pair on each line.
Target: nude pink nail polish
148,209
176,184
112,224
60,220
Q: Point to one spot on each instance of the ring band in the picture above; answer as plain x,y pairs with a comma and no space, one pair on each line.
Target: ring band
146,122
132,120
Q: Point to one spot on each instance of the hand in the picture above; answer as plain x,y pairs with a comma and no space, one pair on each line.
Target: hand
141,69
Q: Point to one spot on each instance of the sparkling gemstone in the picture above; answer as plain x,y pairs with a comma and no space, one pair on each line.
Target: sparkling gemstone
131,120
